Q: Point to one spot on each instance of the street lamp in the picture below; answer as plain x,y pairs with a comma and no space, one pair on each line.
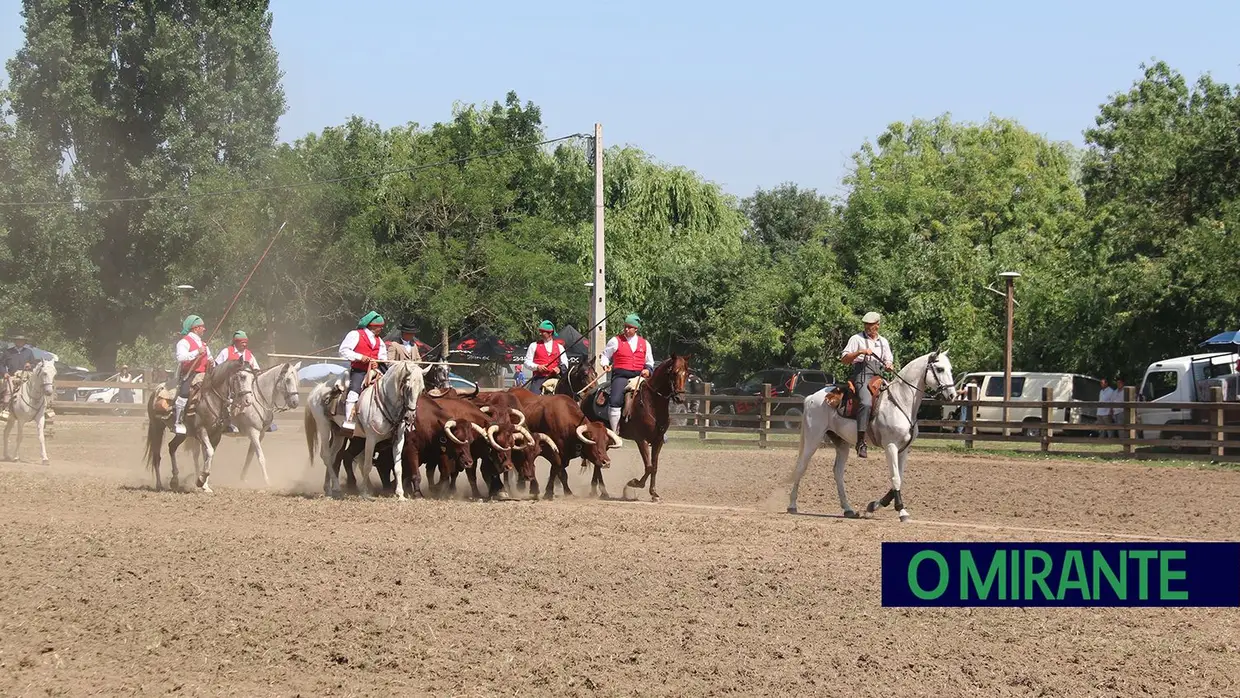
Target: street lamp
1010,277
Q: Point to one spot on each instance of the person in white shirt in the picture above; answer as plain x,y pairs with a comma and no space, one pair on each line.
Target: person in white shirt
628,354
239,349
545,358
865,353
193,357
364,350
1106,415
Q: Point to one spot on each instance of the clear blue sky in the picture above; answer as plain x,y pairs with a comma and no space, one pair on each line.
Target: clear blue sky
747,94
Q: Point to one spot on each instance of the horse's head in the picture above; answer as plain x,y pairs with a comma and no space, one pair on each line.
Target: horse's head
435,376
286,386
46,370
676,370
411,384
939,375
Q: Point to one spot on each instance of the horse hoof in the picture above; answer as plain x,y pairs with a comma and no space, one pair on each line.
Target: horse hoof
501,496
905,518
206,490
633,483
655,498
46,462
792,510
873,507
850,514
174,485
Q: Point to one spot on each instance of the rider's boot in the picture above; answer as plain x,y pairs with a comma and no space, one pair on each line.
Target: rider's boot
178,422
613,416
861,449
350,408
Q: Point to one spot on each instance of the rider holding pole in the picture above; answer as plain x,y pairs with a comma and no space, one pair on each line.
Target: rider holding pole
364,350
866,351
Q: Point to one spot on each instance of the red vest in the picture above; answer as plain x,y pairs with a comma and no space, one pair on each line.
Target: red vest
365,347
628,359
233,355
198,365
546,359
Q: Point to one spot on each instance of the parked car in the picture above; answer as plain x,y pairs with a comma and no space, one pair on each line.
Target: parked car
1027,386
785,382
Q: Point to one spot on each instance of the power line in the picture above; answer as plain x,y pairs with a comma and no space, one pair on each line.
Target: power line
273,187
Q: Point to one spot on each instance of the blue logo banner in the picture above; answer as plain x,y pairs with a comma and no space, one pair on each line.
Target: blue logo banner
1061,574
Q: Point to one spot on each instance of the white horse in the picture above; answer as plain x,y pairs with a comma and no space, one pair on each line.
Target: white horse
257,396
893,428
31,403
385,410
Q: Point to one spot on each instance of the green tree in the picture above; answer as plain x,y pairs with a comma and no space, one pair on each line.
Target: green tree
140,100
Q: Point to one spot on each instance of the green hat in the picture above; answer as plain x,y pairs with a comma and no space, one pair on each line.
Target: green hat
546,325
239,334
633,320
371,318
189,324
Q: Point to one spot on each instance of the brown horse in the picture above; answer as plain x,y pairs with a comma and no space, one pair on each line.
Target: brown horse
205,426
647,423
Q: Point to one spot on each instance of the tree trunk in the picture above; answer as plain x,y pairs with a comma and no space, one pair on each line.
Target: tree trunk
444,351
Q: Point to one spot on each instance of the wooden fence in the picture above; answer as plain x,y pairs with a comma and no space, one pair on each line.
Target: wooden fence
722,419
1212,426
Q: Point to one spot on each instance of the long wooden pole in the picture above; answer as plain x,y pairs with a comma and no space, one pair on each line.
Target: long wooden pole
598,308
1007,356
328,359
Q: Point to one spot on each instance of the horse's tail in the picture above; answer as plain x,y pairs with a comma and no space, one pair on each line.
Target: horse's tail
311,428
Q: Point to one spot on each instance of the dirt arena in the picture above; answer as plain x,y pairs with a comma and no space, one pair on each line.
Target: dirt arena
111,588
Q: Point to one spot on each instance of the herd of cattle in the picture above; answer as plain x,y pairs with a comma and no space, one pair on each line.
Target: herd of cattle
501,432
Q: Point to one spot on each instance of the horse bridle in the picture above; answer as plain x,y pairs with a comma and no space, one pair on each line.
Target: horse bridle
43,394
258,396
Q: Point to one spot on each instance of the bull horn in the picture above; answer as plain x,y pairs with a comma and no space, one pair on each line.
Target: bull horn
491,437
481,432
517,434
581,433
448,427
525,433
547,440
614,438
485,409
519,415
436,392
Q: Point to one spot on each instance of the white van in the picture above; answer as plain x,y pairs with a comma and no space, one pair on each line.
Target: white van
1181,379
1027,386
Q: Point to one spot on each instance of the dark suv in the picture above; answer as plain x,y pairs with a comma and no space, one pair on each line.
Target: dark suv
785,382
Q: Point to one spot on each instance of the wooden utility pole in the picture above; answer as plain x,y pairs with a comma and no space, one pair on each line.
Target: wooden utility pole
1010,277
598,308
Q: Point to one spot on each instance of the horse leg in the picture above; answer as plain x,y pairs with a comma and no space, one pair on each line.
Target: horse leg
655,448
208,455
893,461
899,498
811,435
644,449
173,444
21,430
841,460
39,422
398,464
8,427
256,449
368,461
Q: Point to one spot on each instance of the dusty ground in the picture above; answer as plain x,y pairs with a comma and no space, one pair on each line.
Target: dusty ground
110,588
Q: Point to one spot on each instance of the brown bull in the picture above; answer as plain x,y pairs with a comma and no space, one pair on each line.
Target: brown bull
527,450
501,436
571,436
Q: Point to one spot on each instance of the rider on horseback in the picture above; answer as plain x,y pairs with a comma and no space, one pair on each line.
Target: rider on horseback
863,349
629,356
364,350
237,351
545,358
17,361
193,358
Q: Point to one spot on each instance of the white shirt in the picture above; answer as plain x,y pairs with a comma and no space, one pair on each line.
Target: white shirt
880,347
351,339
223,356
550,346
614,343
183,351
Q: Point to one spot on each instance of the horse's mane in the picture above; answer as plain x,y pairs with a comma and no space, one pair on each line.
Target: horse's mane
220,374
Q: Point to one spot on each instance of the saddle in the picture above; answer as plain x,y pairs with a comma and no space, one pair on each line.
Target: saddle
334,401
630,393
166,395
845,400
548,386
